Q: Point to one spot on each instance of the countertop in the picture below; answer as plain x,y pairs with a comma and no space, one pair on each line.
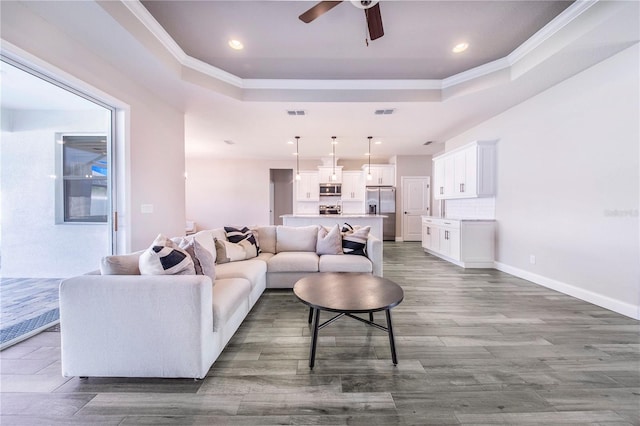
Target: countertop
347,215
460,219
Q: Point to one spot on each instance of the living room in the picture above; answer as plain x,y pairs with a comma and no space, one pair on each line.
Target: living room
567,173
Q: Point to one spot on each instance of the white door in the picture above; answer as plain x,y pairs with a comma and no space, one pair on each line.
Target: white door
415,204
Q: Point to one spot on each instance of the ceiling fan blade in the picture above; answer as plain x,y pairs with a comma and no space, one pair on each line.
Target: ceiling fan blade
374,21
317,10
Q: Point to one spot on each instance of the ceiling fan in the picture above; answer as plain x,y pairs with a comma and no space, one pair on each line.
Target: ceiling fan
371,12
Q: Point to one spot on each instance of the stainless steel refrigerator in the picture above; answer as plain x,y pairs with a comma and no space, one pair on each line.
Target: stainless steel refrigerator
382,200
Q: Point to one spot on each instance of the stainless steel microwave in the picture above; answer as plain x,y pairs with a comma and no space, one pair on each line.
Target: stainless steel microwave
330,189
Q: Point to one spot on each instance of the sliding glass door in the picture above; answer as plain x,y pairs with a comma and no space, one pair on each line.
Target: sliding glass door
56,187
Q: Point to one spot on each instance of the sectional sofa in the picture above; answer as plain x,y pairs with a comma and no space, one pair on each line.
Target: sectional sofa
117,322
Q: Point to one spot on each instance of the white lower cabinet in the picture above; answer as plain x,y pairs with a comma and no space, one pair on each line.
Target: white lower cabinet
467,243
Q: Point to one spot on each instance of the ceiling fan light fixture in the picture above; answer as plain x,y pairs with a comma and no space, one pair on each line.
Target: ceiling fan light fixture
364,4
460,47
236,44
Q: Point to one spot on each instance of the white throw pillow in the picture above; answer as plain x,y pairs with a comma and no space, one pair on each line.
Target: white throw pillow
165,258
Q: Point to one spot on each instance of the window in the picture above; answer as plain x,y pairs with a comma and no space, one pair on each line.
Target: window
84,192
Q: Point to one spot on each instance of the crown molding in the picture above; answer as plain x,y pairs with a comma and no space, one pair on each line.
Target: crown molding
559,22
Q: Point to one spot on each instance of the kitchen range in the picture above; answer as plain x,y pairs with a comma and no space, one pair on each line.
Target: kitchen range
330,209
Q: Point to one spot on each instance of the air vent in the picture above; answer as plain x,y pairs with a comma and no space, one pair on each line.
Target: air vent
428,143
296,112
384,111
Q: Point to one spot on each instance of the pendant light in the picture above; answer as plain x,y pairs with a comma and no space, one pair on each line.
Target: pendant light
333,144
369,176
297,159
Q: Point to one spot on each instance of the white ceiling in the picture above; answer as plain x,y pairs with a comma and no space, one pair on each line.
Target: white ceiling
244,98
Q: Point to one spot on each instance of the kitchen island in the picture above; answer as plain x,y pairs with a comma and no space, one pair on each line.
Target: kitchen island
328,220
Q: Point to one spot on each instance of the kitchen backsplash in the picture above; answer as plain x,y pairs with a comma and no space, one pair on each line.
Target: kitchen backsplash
471,208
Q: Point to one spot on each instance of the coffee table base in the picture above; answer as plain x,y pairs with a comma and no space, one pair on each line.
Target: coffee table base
315,315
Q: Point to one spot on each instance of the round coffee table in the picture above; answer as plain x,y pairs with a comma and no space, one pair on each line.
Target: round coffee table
348,293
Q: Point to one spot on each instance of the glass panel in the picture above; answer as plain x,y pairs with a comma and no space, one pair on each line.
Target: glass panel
85,179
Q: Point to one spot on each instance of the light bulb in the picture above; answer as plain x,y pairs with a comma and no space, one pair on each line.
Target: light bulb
334,177
369,176
297,176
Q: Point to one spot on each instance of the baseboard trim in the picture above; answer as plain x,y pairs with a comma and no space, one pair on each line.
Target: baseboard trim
623,308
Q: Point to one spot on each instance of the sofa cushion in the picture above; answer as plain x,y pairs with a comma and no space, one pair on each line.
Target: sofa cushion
303,238
244,237
266,236
164,257
122,264
228,295
252,270
293,261
329,241
341,263
354,240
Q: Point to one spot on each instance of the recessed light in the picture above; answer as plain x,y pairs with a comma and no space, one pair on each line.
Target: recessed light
377,142
236,44
290,142
460,47
229,142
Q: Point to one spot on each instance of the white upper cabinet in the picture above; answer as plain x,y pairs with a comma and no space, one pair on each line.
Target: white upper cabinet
381,174
308,187
326,172
353,186
466,172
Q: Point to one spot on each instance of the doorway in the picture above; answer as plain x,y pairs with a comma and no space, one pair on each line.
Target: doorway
280,194
56,193
415,204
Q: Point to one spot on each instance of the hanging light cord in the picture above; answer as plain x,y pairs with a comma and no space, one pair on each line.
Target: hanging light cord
369,137
333,144
297,159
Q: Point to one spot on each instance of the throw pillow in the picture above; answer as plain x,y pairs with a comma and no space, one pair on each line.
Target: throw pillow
227,251
203,260
120,264
245,237
354,240
329,242
165,258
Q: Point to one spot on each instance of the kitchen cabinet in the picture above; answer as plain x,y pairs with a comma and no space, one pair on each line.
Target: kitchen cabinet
381,174
466,172
353,186
308,187
466,243
325,173
353,192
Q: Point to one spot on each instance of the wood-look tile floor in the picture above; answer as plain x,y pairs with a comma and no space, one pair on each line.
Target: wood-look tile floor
474,347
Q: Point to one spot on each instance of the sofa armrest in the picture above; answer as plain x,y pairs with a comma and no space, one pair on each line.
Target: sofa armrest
374,253
135,325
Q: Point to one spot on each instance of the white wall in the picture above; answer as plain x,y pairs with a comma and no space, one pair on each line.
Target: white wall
33,245
230,191
153,145
568,184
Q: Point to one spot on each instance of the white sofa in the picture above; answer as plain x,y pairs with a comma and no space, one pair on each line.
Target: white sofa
177,325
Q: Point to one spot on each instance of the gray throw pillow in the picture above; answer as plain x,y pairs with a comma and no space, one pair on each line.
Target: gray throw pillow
203,260
329,242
